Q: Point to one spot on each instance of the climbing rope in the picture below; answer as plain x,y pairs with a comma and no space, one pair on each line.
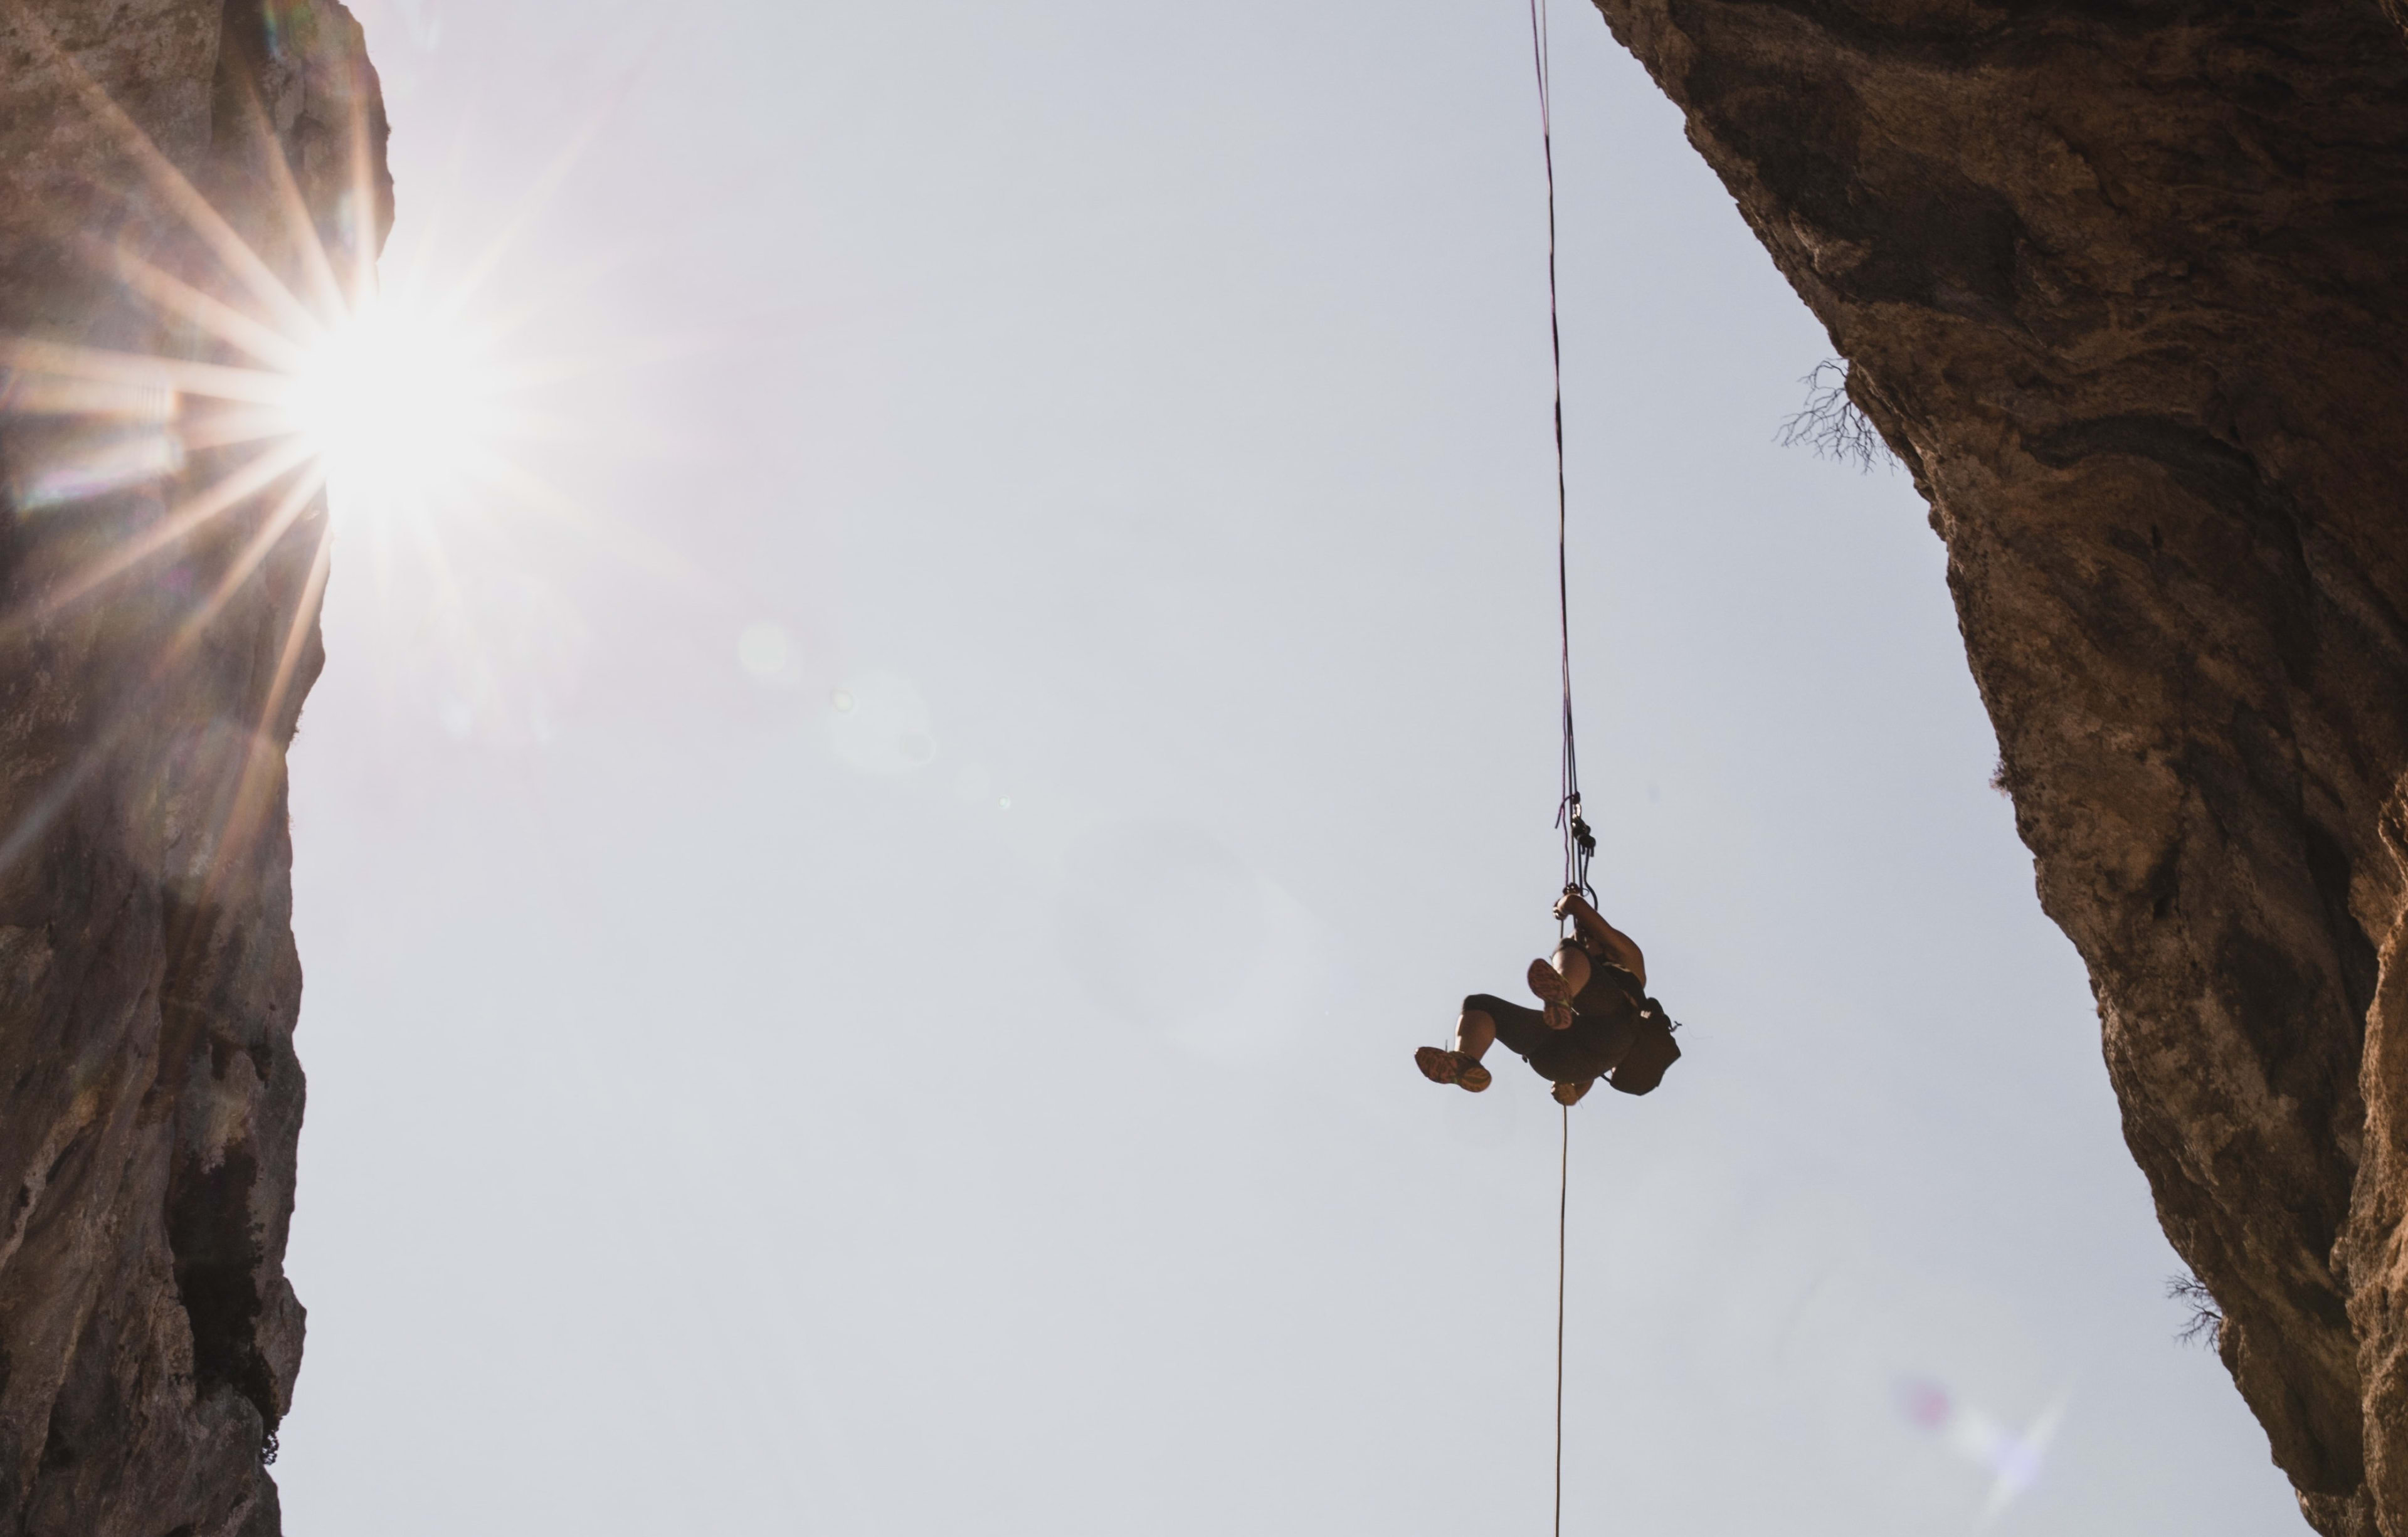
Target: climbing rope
1562,1225
1580,843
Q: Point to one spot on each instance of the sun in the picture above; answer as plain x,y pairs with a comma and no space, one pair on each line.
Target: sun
287,368
289,379
400,405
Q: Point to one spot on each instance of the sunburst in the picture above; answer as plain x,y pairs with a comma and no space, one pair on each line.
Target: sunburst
295,383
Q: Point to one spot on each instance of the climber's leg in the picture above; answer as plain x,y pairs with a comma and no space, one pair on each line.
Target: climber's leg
1459,1064
1485,1020
1562,975
1522,1030
1475,1031
1559,981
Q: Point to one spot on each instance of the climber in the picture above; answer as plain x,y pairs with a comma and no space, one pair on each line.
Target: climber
1598,1020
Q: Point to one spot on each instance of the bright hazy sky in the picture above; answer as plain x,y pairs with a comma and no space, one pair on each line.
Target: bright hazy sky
990,1108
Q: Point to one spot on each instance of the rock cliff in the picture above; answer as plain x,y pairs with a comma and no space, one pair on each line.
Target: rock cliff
2125,287
155,642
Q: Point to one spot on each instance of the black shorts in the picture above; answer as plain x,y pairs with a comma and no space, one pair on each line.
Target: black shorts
1590,1048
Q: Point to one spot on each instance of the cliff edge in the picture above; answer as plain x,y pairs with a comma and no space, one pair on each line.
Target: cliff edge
158,629
2125,287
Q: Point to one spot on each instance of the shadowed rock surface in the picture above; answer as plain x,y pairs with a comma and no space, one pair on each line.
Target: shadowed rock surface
2126,286
150,1099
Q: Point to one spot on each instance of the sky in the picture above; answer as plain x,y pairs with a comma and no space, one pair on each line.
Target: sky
867,911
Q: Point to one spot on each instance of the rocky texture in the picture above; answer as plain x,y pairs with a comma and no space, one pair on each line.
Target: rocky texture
2126,286
150,1099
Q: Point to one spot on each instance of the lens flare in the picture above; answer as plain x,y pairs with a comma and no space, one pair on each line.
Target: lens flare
282,379
2013,1459
401,406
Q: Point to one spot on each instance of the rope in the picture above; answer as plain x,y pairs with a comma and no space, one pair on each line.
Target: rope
1579,842
1563,1210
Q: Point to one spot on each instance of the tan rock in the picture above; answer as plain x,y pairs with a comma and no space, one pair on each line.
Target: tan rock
2126,289
150,1098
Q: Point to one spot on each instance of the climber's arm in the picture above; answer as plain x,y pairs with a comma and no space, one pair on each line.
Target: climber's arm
1619,947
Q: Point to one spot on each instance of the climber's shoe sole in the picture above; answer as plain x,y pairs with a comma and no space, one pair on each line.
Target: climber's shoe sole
1441,1066
1547,984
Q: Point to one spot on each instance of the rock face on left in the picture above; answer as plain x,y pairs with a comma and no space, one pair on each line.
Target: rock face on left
158,630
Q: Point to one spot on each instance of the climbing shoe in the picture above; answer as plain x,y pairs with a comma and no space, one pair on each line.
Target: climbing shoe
1441,1066
1558,1015
1548,983
1570,1094
1571,963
